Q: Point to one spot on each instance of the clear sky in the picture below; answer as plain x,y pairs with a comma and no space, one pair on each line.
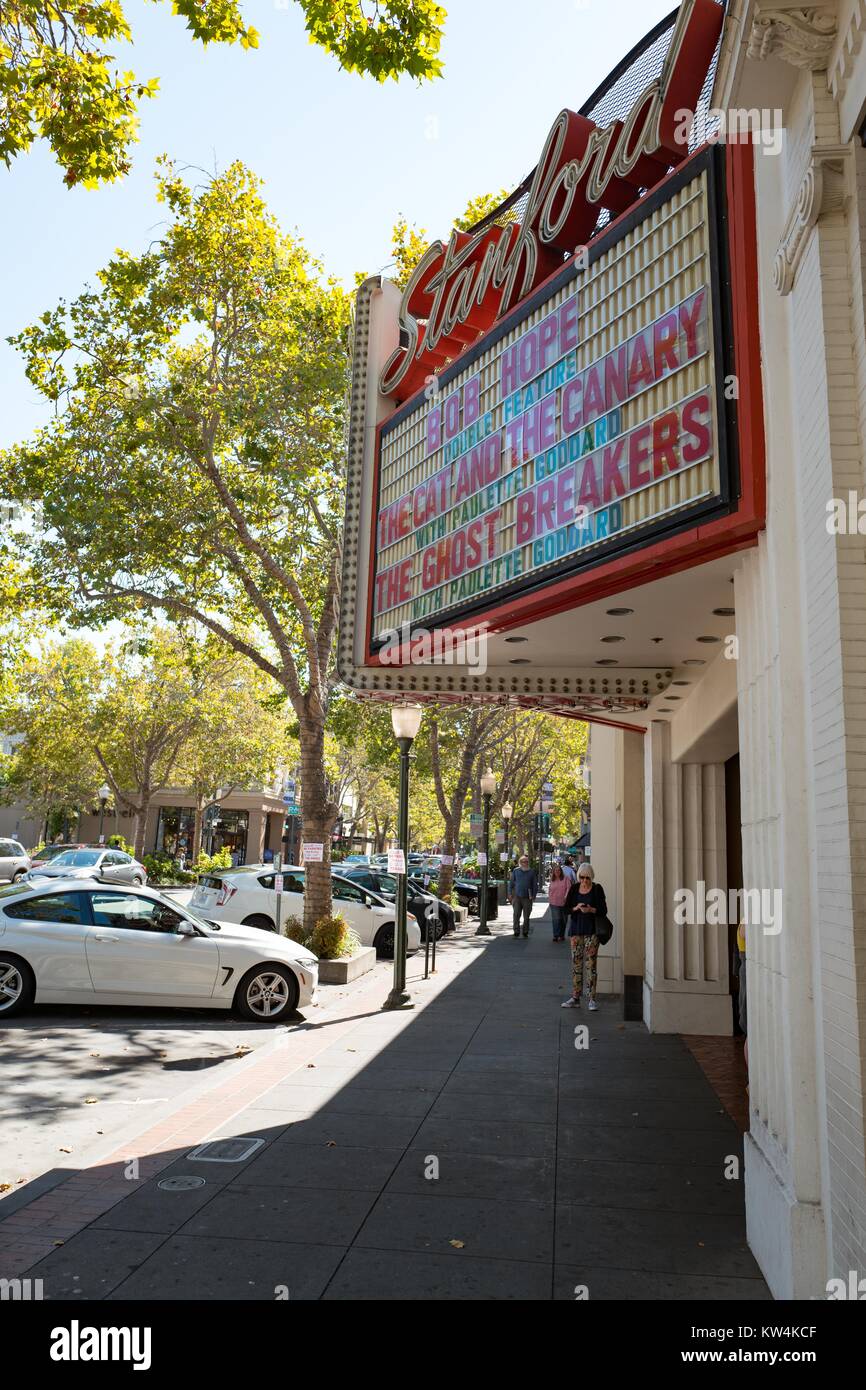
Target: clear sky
342,156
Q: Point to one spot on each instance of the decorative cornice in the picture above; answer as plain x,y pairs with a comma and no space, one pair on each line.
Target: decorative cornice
802,37
825,189
843,64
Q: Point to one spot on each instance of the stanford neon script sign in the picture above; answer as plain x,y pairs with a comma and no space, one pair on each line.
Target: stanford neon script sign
458,291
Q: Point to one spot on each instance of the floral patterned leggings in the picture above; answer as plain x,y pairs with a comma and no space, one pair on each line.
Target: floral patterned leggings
584,949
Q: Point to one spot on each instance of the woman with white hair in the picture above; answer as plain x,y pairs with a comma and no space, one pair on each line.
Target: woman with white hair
585,904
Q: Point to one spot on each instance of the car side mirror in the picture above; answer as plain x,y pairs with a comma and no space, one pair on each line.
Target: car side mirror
185,928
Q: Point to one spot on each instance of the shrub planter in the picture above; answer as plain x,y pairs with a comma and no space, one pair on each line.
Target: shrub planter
345,969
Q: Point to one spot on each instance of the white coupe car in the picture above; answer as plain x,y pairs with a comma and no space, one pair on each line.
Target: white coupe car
76,941
248,895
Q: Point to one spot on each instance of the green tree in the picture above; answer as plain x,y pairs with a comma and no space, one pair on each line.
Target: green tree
59,80
195,463
45,703
457,742
239,740
151,712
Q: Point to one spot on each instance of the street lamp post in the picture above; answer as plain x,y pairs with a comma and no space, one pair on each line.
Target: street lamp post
405,721
507,813
104,794
488,790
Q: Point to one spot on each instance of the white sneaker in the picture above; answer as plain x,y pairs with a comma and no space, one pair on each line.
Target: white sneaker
570,1004
592,1004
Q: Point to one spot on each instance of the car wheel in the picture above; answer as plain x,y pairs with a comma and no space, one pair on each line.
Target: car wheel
17,985
138,882
259,920
474,906
384,942
266,994
17,877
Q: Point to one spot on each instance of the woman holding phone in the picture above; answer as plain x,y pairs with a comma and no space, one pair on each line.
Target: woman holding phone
585,904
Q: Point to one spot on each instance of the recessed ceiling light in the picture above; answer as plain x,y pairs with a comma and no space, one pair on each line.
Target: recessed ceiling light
608,662
619,612
694,661
708,639
725,612
517,639
520,661
681,682
675,697
665,711
657,639
613,639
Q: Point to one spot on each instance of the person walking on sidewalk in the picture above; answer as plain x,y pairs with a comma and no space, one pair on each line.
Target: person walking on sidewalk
522,890
557,891
585,903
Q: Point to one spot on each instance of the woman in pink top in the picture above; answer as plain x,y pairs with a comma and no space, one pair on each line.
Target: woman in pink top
557,892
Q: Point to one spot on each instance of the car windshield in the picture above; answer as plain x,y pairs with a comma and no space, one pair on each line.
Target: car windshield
77,859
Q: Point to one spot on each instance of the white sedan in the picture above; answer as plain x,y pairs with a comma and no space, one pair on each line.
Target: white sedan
248,895
77,941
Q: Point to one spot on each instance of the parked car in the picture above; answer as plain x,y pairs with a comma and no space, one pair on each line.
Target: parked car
418,900
357,859
467,893
79,941
49,853
248,896
106,865
14,860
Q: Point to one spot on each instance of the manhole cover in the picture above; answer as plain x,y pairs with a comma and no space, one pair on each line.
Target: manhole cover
180,1184
225,1150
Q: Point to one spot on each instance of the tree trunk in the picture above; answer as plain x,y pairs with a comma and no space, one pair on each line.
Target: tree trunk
198,827
141,825
446,871
318,816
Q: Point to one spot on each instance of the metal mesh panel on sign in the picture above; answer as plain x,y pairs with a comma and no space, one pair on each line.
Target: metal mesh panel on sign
614,99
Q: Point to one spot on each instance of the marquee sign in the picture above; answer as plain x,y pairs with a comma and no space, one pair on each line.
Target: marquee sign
591,418
459,290
559,408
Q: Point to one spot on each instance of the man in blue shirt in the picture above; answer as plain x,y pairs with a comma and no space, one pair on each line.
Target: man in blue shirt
522,889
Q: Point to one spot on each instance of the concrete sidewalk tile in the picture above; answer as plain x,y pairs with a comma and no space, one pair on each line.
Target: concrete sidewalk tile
612,1143
330,1126
246,1270
318,1216
634,1113
484,1228
460,1106
317,1165
676,1187
499,1080
628,1285
93,1263
675,1242
487,1136
509,1177
375,1275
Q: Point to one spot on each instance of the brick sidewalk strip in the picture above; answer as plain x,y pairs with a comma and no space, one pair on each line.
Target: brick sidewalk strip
466,1149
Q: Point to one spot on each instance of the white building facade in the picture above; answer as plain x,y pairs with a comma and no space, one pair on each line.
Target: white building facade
729,716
